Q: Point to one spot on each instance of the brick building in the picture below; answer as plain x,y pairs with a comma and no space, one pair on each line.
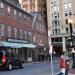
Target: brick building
17,33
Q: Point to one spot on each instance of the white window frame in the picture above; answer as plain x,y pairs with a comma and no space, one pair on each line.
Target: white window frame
69,5
20,33
2,30
2,5
25,35
25,17
15,11
20,14
29,33
65,6
15,32
9,9
9,31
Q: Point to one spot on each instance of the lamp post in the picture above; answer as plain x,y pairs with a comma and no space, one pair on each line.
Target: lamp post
70,22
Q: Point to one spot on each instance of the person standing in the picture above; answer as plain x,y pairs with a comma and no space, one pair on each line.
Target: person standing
67,65
62,65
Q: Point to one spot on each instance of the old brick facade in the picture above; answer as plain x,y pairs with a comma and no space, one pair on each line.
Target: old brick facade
16,24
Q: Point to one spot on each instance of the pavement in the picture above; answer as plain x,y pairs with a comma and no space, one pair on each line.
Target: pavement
71,72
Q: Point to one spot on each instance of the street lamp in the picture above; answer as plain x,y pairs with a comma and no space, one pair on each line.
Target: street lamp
70,22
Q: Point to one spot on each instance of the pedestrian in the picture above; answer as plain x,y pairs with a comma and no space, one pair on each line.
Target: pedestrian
62,65
67,65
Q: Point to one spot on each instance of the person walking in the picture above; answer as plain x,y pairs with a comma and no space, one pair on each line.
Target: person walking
62,65
67,65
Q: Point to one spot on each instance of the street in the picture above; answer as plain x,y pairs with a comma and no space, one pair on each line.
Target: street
40,68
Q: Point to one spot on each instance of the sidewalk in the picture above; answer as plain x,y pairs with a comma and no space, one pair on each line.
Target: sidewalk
71,72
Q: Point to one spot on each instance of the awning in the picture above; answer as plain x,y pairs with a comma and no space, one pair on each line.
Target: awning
28,45
16,45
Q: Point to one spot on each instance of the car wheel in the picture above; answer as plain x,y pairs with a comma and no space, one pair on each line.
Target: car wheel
10,67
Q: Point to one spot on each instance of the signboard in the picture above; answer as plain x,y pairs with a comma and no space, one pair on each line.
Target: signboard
16,40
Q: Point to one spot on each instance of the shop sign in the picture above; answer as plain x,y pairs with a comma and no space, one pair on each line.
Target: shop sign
17,40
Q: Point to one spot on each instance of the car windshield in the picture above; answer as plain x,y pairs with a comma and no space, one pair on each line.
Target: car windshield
1,54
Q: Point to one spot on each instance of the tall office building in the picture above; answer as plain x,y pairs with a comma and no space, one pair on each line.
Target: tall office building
37,8
32,6
58,13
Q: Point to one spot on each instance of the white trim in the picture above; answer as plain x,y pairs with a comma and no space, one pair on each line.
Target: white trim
16,45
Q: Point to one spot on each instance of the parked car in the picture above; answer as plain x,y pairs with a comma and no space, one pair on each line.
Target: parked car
9,60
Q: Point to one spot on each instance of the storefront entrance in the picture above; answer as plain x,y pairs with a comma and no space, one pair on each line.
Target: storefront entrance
58,51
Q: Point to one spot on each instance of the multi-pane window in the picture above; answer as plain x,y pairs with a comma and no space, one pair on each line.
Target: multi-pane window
1,29
25,16
20,34
55,22
15,12
9,31
15,32
70,13
69,5
58,22
66,14
2,10
58,31
20,14
2,5
55,8
67,30
35,37
29,36
40,39
52,31
9,9
25,35
66,6
66,21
